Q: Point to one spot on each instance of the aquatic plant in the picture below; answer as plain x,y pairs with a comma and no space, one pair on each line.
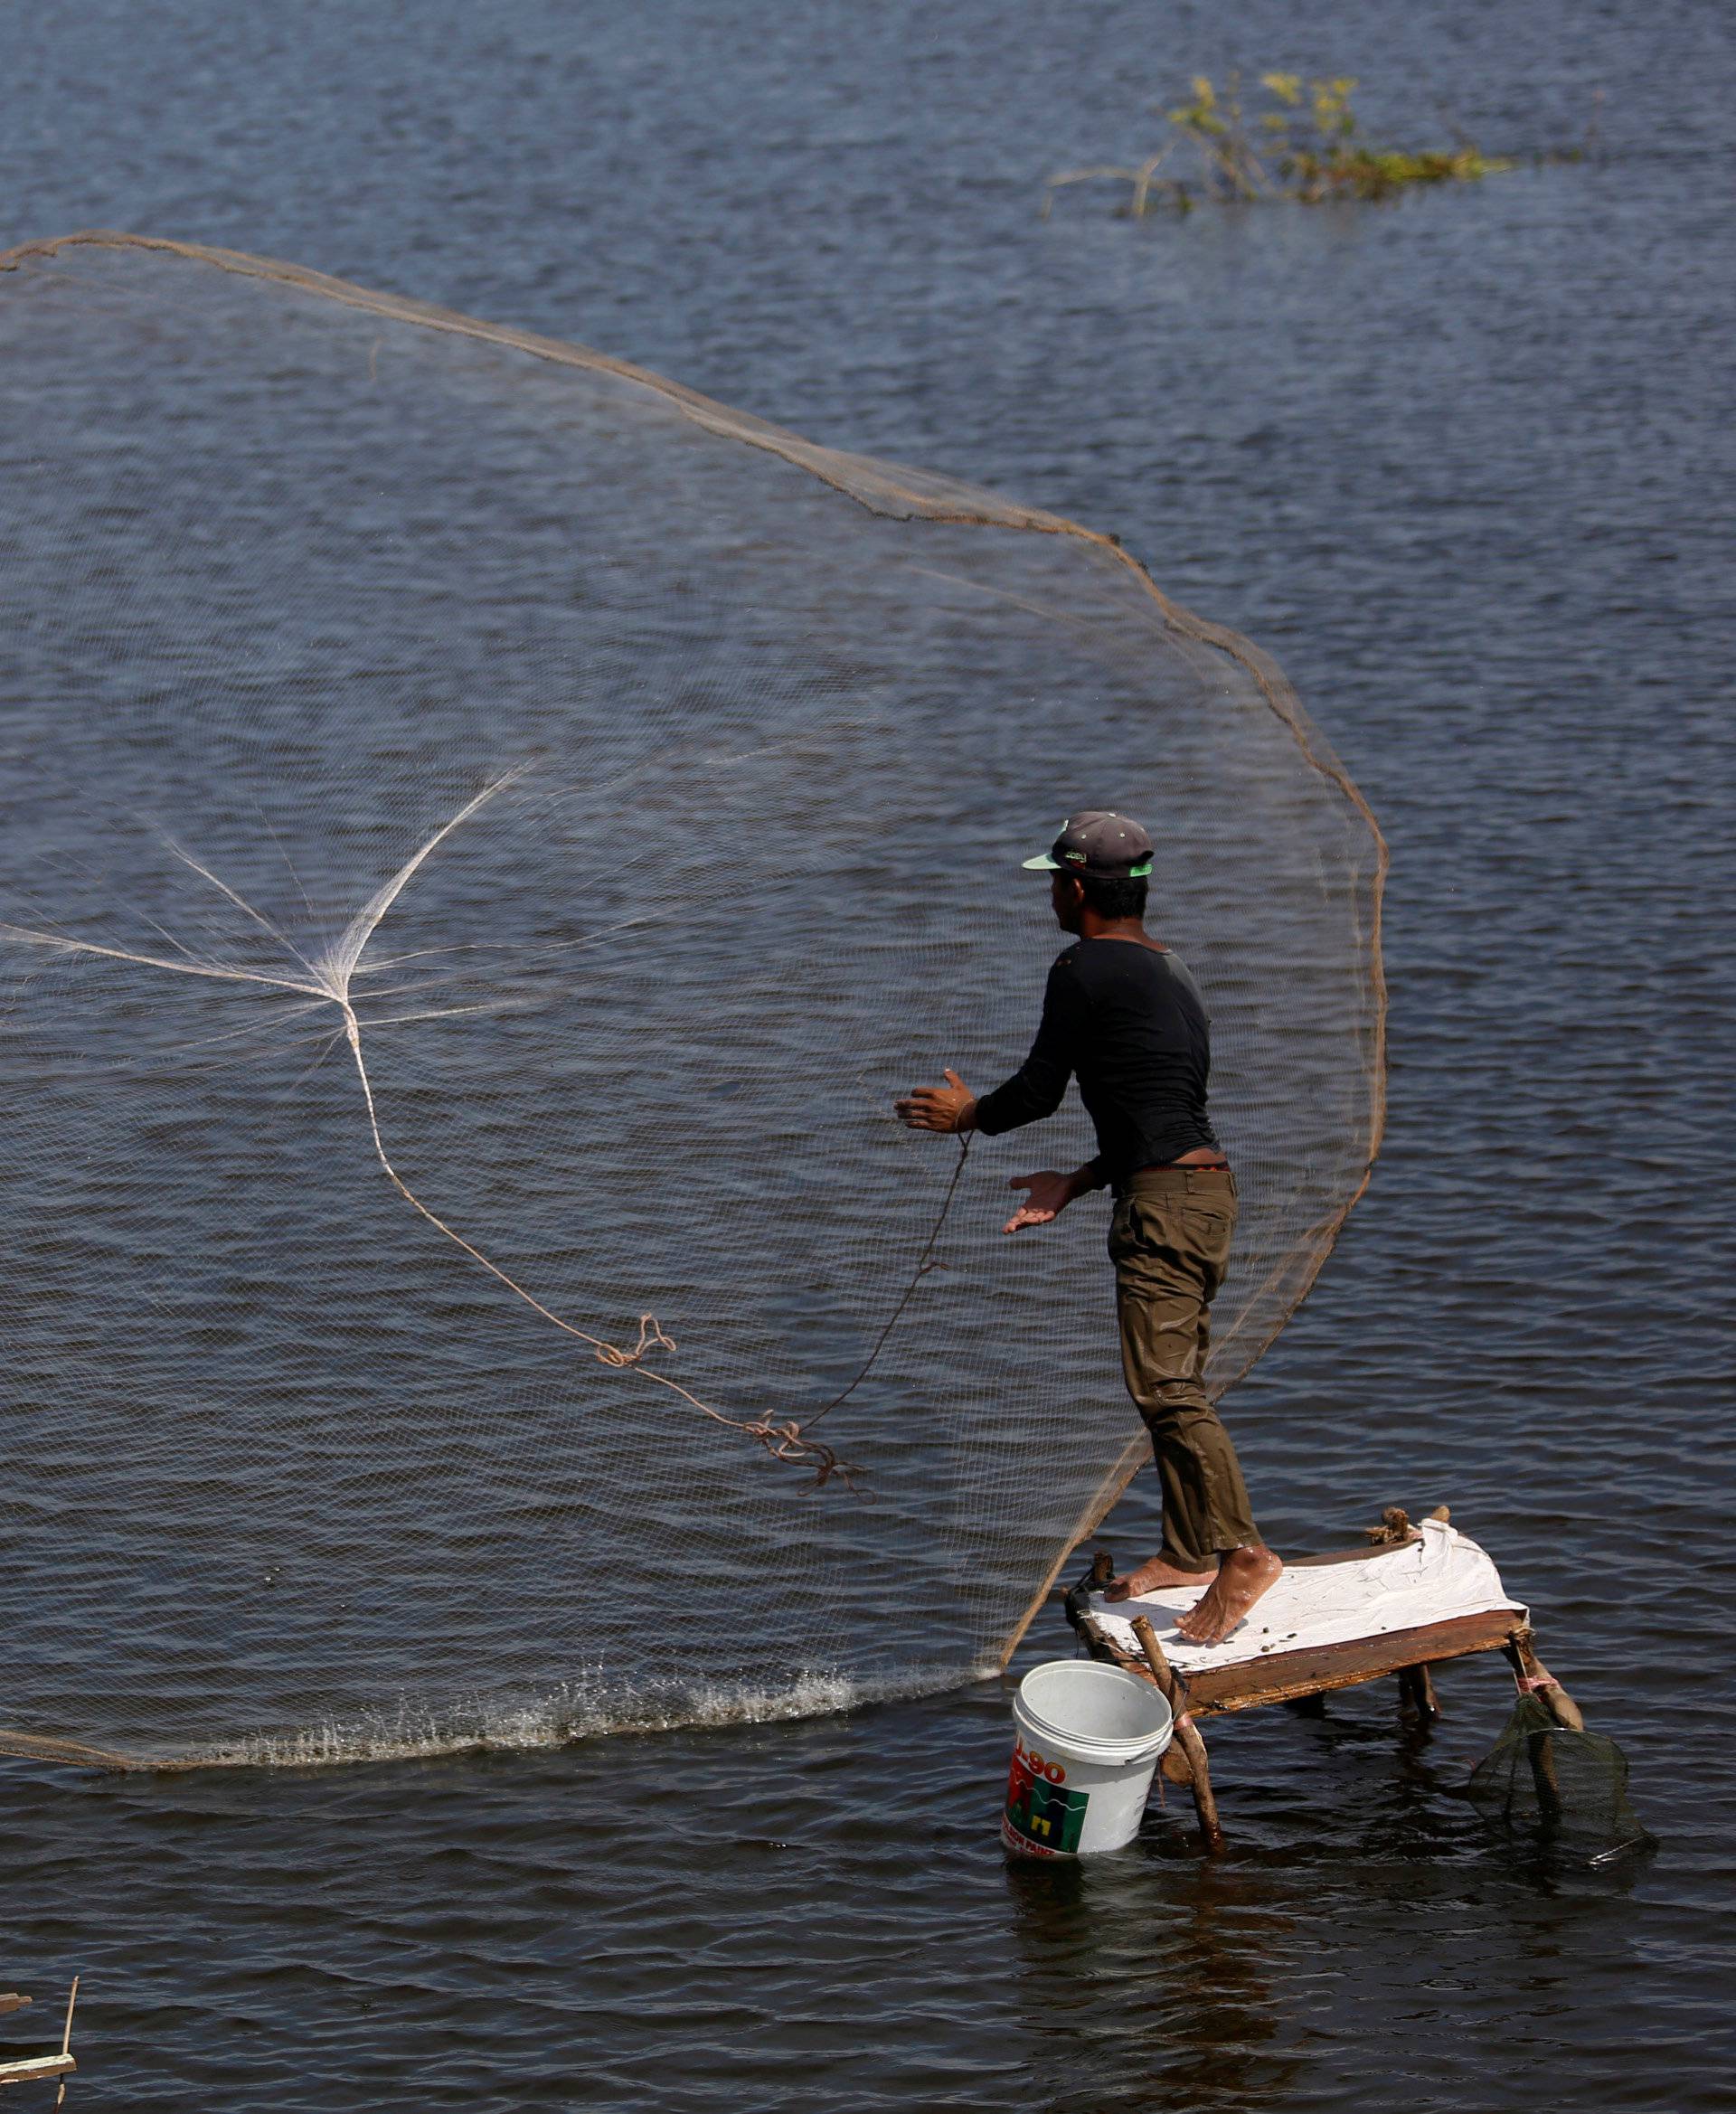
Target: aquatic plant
1307,146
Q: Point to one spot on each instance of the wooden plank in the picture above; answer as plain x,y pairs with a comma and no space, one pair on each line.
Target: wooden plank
1395,1531
21,2072
1280,1676
1364,1555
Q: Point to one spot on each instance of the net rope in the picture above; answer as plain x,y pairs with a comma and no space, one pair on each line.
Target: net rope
487,834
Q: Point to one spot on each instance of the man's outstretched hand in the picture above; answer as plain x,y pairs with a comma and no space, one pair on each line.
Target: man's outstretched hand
1049,1196
952,1106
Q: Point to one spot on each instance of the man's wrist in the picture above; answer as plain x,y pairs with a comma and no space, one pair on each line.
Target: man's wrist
965,1118
1083,1180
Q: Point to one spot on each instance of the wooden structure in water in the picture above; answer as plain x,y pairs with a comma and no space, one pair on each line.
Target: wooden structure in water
1297,1676
44,2064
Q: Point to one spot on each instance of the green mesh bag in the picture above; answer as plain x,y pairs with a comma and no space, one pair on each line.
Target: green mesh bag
1565,1790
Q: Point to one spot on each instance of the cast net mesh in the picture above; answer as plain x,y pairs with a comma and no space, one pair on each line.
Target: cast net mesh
486,834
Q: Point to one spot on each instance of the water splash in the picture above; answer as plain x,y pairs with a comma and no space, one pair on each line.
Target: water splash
587,1708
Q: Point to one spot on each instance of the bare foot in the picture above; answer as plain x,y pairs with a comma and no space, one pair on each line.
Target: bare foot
1243,1575
1152,1575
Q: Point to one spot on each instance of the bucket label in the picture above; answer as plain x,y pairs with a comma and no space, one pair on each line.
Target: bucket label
1041,1812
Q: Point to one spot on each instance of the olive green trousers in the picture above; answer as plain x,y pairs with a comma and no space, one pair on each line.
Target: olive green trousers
1169,1241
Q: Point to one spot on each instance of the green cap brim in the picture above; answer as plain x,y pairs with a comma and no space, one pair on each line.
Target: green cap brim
1042,862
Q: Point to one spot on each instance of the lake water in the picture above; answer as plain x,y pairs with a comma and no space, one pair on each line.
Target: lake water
1464,466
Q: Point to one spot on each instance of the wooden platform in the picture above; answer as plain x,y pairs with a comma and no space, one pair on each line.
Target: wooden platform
1285,1676
1295,1676
34,2068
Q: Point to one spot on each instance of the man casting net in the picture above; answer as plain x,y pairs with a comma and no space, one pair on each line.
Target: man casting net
488,835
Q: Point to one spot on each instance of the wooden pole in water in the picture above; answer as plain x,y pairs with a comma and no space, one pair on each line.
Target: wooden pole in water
1187,1733
1538,1681
66,2040
1173,1763
1541,1683
1417,1694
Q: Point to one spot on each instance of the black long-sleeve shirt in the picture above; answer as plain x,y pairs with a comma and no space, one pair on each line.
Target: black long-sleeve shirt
1129,1021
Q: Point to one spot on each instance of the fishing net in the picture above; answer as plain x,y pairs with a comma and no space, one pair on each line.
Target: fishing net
486,834
1562,1790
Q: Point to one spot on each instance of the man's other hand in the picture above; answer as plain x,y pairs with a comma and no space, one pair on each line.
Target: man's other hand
1049,1196
952,1106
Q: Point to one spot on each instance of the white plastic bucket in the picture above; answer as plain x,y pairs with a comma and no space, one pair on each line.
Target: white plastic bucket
1089,1737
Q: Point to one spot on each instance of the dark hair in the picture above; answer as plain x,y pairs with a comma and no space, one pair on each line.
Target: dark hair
1119,898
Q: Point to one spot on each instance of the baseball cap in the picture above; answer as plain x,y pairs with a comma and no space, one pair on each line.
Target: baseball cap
1099,844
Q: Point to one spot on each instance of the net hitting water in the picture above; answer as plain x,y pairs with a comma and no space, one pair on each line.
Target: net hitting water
487,834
